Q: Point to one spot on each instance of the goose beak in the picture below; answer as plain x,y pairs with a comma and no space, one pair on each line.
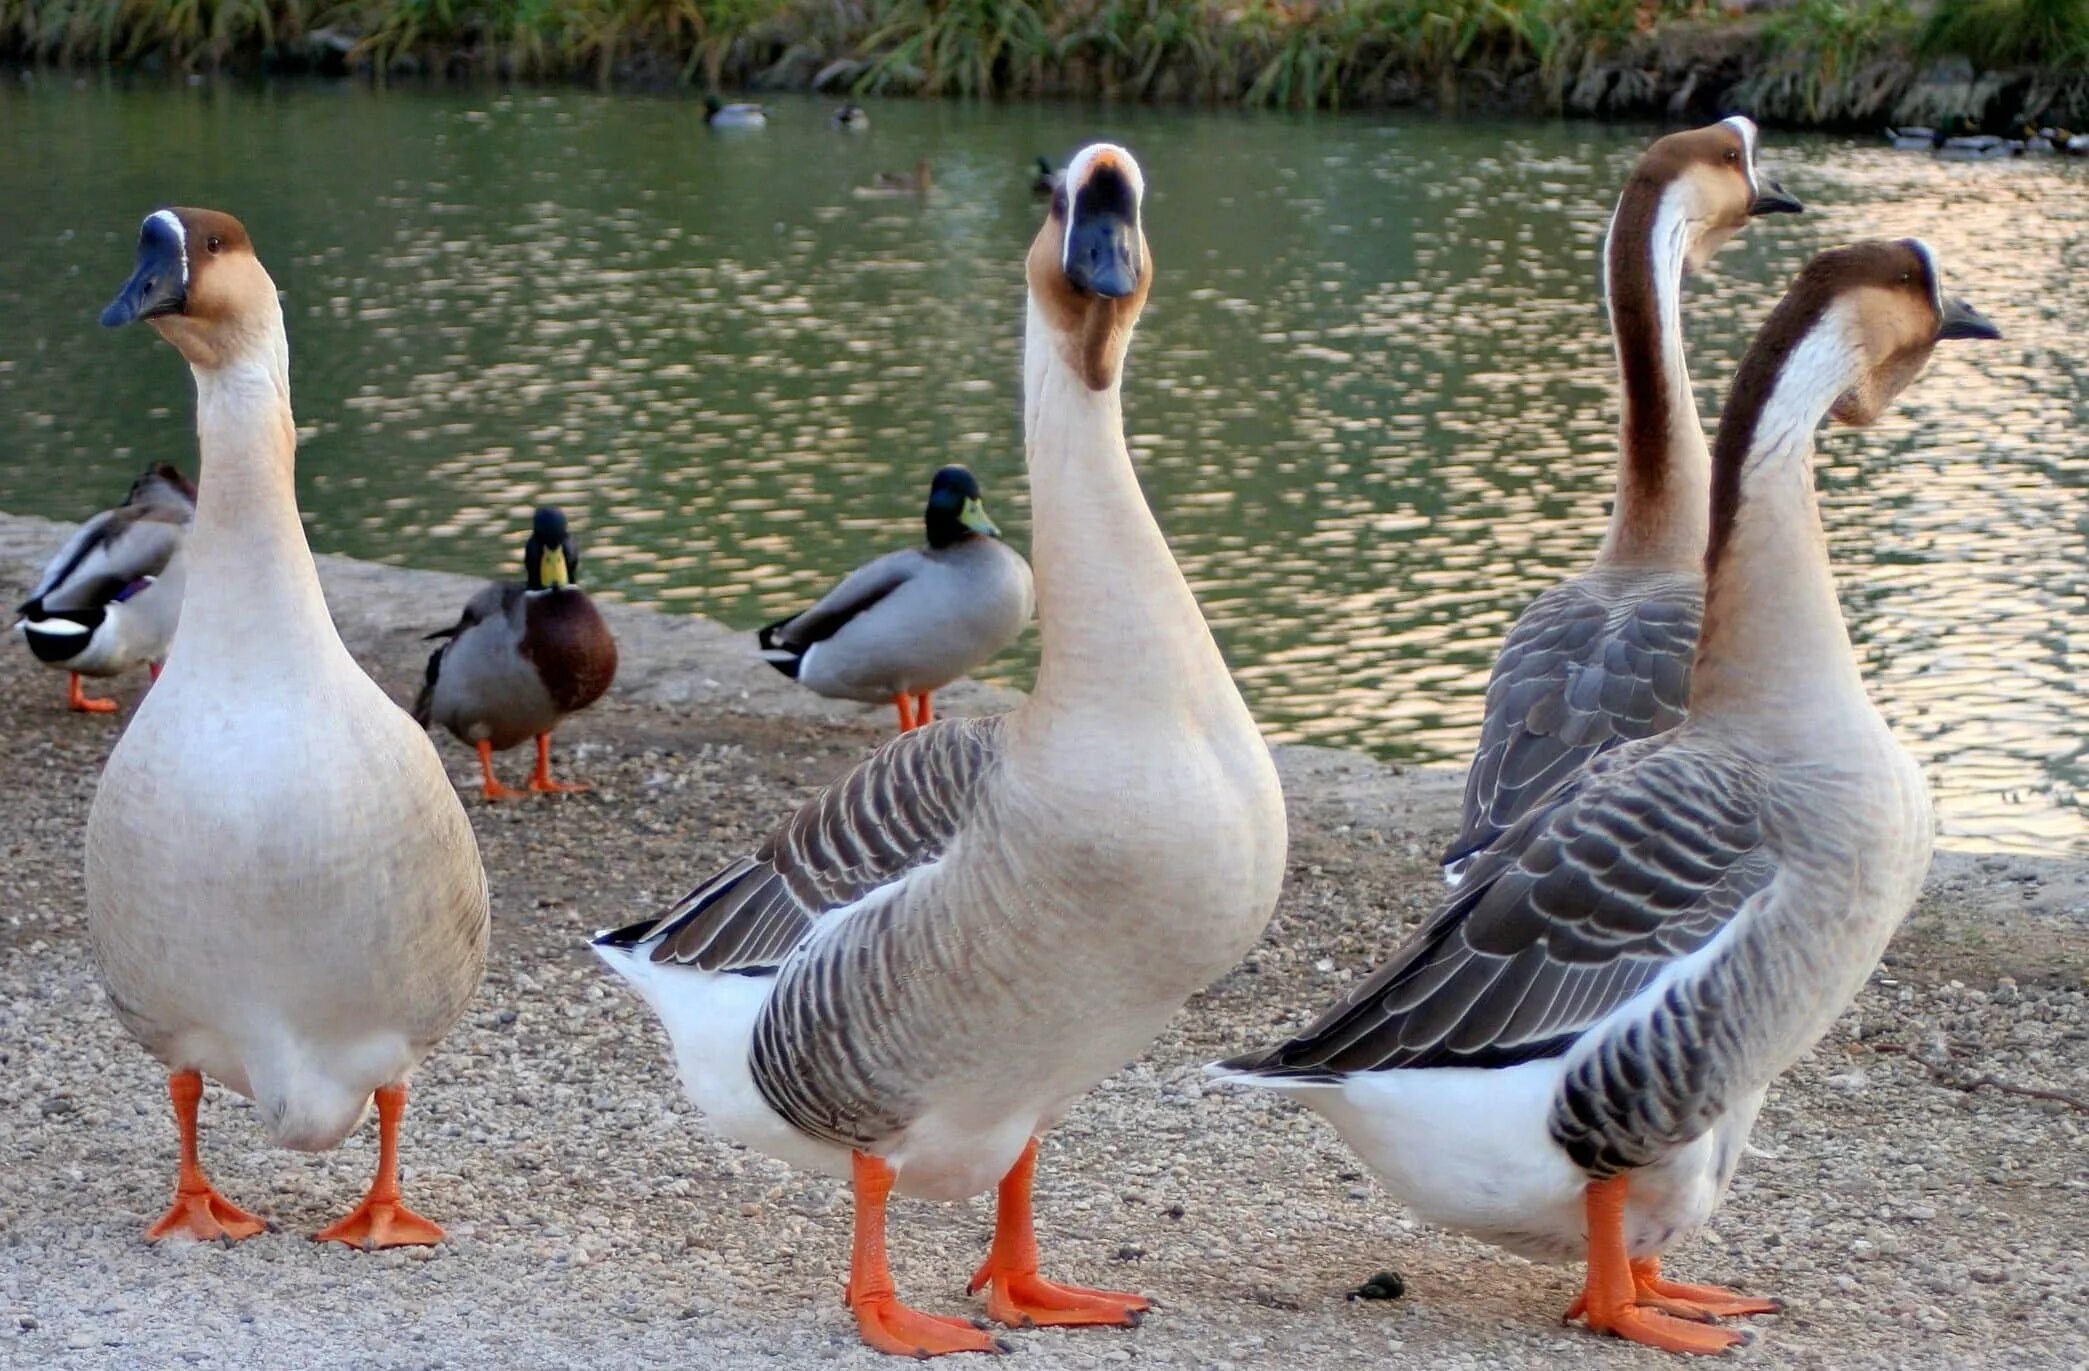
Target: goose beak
1102,235
1961,320
160,284
973,516
1772,198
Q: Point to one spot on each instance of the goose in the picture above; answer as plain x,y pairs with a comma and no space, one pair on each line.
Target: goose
741,116
1604,657
905,625
1047,179
520,659
1567,1058
916,182
852,117
927,964
110,600
283,892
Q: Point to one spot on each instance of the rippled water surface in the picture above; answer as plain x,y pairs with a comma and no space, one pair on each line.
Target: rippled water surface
1371,397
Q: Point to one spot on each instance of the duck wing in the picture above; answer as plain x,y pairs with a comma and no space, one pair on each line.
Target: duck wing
1621,874
895,813
1581,671
858,591
105,555
495,603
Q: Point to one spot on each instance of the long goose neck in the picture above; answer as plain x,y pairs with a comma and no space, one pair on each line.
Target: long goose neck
1774,645
1120,628
1659,517
252,584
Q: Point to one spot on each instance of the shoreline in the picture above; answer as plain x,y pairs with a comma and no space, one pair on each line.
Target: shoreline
1911,1214
1861,66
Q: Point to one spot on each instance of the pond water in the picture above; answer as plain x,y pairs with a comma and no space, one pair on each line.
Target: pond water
1371,397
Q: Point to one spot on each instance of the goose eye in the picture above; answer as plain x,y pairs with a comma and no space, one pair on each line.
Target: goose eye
1733,156
213,243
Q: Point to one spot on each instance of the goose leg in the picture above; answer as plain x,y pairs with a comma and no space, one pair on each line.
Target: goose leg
490,787
1020,1297
540,779
381,1220
904,703
198,1211
77,700
1610,1300
924,708
884,1322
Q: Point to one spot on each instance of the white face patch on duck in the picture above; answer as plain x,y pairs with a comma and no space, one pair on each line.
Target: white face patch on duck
172,221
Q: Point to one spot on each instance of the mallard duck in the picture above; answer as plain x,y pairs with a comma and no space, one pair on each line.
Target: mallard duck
1979,147
902,627
1912,139
916,182
282,890
923,968
742,116
1567,1058
1604,657
1047,179
520,659
110,600
852,117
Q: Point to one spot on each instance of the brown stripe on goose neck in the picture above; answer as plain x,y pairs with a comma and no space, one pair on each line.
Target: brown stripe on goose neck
1756,381
1635,324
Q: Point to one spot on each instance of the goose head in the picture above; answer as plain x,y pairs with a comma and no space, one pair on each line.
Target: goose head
1888,302
1720,188
957,509
1089,268
200,286
549,559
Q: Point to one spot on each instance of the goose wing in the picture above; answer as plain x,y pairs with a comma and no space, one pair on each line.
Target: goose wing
858,591
1581,672
1620,874
106,554
895,813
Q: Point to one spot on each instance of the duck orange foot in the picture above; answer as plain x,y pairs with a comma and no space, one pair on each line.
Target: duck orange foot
893,1328
206,1216
377,1223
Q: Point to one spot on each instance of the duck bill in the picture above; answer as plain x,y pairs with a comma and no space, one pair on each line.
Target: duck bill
1772,198
1102,248
974,518
160,284
551,569
1961,320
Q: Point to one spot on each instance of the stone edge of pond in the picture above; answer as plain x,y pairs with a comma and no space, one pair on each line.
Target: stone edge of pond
689,662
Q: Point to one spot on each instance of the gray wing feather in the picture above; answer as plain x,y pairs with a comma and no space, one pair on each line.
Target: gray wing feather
899,810
858,591
1636,864
107,553
1588,666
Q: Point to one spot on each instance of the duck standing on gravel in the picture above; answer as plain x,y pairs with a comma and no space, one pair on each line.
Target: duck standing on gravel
520,659
282,889
111,598
1604,657
1567,1059
902,627
924,967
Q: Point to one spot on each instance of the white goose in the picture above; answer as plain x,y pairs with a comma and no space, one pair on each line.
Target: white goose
925,966
282,889
1567,1059
1604,657
110,600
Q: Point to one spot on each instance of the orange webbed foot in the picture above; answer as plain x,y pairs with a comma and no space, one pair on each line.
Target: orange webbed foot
892,1327
205,1216
79,702
1702,1301
496,793
547,786
376,1224
1652,1328
1024,1299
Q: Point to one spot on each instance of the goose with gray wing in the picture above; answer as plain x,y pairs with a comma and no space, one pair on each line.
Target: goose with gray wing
1604,657
1567,1059
923,968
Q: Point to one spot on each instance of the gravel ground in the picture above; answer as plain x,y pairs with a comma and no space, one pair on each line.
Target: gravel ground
1906,1219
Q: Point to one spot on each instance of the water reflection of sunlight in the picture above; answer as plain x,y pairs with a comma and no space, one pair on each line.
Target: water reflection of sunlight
1371,398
